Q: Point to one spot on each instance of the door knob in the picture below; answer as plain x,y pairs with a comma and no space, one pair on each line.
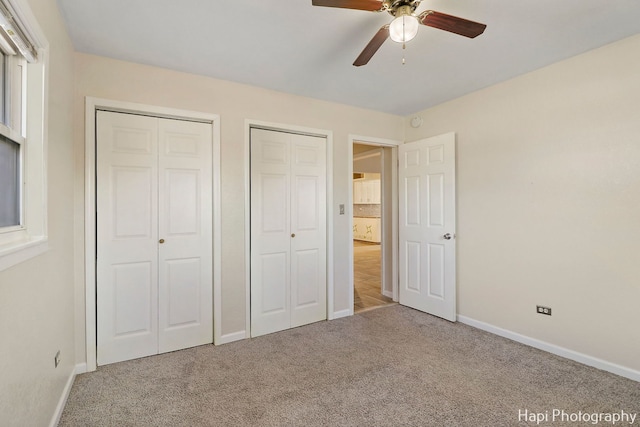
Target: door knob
161,241
293,234
447,236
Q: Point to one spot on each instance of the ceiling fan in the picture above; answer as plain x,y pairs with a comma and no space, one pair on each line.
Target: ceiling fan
405,25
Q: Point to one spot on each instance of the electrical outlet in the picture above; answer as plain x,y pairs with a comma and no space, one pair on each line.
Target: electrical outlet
543,310
56,360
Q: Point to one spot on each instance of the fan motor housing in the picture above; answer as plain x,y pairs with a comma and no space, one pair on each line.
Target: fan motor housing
401,7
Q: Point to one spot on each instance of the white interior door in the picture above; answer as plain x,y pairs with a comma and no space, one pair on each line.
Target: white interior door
288,230
427,225
127,236
270,232
185,315
153,180
309,226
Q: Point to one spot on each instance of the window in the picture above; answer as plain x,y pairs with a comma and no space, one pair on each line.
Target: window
12,66
9,183
22,134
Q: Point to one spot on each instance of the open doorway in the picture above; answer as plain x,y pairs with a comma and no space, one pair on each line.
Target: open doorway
369,242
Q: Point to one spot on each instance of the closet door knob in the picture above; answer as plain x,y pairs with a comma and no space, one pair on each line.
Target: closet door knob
293,235
161,241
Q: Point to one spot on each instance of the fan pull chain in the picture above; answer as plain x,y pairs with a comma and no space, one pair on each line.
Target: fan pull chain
404,46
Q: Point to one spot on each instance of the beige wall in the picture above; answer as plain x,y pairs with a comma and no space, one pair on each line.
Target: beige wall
548,166
37,296
105,78
548,193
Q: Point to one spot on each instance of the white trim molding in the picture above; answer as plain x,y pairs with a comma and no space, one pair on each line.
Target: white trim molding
20,251
91,106
57,414
585,359
343,313
234,336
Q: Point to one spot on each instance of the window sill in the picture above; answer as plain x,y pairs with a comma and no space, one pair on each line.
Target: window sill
16,252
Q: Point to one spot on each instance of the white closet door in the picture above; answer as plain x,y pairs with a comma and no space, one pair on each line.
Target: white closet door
309,225
127,236
288,230
270,232
185,225
154,236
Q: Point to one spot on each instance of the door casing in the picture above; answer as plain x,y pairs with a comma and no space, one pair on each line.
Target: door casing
91,106
392,222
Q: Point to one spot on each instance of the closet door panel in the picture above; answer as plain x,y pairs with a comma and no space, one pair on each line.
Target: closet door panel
185,256
127,245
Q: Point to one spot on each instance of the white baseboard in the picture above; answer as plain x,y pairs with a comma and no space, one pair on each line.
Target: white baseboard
388,294
63,399
585,359
81,368
341,313
241,335
235,336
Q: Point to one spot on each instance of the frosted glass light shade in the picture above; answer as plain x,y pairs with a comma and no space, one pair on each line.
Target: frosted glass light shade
403,28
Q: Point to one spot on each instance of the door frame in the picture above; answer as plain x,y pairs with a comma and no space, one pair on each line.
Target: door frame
279,127
93,104
392,222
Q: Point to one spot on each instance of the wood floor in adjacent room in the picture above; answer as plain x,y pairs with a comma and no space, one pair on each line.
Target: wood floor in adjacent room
367,277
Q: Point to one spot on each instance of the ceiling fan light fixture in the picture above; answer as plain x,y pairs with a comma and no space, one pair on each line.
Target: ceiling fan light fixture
403,28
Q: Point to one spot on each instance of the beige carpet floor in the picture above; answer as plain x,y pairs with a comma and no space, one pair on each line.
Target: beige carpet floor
393,366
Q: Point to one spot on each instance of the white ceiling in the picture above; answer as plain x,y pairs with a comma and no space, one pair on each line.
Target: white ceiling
294,47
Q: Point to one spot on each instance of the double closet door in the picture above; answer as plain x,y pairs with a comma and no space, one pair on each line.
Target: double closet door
154,235
288,230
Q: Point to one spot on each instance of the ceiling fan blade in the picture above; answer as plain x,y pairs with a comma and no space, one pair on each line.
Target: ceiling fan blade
371,5
373,46
450,23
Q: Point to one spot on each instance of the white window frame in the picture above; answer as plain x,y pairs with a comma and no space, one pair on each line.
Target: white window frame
29,239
